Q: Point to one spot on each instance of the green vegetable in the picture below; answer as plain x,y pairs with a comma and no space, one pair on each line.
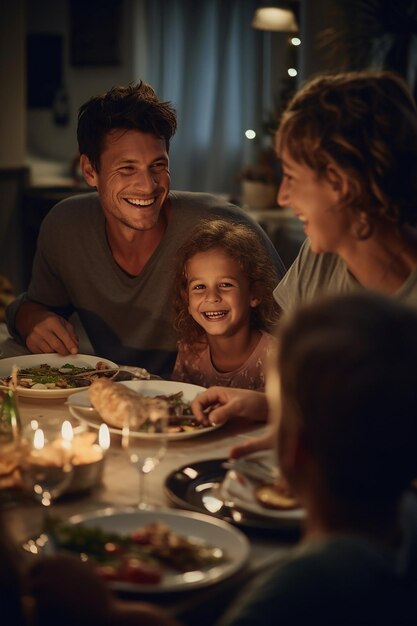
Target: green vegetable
153,543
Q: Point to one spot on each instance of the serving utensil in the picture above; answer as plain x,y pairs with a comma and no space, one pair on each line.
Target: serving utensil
123,372
260,466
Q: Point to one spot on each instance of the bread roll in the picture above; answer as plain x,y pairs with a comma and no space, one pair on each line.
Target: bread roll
276,495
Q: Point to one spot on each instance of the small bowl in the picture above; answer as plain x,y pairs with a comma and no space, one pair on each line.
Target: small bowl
86,476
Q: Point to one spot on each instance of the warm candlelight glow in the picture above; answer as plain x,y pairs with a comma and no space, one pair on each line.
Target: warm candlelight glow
104,437
38,439
67,432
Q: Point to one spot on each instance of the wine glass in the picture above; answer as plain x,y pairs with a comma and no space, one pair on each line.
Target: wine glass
46,466
145,449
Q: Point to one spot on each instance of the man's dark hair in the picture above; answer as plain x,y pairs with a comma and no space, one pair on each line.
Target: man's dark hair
135,107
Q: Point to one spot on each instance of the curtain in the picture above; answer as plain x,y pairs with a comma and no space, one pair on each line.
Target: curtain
206,59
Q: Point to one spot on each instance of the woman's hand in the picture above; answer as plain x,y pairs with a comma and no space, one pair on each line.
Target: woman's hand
224,403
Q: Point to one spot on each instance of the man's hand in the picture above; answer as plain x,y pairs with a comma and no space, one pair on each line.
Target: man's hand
44,331
229,402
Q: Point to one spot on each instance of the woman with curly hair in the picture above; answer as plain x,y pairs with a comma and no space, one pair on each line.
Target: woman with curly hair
348,147
223,306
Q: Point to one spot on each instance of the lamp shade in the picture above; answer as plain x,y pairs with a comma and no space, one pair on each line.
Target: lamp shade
272,18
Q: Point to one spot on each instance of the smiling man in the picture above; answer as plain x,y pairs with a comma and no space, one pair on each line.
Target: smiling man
107,256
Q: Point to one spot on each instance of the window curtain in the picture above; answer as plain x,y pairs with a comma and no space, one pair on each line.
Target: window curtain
206,59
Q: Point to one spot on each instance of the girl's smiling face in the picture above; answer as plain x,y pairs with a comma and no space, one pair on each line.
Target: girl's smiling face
219,296
316,202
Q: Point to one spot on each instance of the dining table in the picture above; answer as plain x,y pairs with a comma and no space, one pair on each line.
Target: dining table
118,489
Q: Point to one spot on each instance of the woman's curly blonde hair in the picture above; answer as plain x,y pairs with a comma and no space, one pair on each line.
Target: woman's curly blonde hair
365,123
245,246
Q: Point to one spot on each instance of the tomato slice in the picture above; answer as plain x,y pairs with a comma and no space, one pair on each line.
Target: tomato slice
140,536
134,570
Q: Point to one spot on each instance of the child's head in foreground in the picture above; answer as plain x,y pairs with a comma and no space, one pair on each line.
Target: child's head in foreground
348,381
223,265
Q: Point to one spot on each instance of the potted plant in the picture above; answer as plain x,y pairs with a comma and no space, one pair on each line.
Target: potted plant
260,180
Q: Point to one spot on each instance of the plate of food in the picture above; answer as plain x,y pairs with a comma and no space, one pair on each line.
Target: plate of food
254,484
199,486
153,551
52,375
110,402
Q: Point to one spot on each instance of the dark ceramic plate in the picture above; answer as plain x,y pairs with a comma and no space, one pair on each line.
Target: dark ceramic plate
195,486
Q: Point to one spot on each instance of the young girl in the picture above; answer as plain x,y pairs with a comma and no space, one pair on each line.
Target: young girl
223,306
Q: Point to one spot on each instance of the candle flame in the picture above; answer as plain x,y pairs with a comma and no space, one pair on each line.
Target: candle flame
38,439
104,437
67,432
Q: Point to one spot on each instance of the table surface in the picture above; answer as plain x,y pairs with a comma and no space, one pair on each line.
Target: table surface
120,483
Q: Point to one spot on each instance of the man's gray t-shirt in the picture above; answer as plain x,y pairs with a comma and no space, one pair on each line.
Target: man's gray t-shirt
127,319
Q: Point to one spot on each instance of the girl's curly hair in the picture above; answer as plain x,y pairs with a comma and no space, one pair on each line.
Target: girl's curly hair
245,246
366,123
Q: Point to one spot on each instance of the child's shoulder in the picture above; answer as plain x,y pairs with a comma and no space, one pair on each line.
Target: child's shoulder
268,339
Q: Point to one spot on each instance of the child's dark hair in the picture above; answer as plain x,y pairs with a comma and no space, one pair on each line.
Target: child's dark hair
135,107
348,372
245,246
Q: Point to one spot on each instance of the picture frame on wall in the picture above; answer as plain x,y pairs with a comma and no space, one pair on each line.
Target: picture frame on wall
95,32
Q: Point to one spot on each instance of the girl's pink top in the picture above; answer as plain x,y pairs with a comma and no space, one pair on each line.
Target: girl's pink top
196,367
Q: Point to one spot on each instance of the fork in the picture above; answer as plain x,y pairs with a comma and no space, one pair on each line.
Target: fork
124,372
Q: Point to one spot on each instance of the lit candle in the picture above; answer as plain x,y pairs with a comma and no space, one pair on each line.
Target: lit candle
67,432
104,437
38,439
67,435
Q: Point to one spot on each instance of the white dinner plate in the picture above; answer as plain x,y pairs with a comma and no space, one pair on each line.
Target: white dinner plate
238,489
54,360
195,526
251,506
80,406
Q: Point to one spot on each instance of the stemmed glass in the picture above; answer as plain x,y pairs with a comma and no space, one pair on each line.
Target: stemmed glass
145,449
46,466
